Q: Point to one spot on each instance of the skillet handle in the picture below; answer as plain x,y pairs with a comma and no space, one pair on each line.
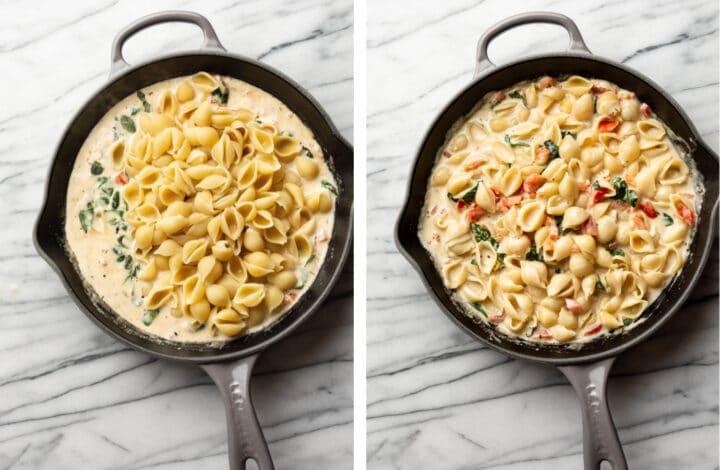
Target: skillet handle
576,40
245,437
600,439
210,39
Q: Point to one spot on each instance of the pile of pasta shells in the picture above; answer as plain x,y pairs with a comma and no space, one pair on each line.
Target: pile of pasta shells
217,223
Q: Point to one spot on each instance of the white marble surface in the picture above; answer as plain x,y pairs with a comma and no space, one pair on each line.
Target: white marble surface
436,398
72,397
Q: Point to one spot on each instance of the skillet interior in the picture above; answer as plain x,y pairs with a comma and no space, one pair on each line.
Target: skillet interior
49,234
560,64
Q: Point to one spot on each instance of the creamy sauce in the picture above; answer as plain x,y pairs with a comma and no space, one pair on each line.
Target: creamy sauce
509,132
92,251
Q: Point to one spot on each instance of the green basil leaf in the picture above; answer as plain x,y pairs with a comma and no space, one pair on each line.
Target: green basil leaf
482,234
534,255
571,134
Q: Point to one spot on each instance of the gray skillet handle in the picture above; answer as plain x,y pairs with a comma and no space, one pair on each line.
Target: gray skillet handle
245,437
210,39
576,41
600,439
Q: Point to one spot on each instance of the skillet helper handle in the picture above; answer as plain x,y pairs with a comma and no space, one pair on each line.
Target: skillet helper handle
210,39
245,437
576,40
600,439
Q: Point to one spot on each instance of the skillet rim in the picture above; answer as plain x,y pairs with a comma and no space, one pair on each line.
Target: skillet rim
578,357
345,150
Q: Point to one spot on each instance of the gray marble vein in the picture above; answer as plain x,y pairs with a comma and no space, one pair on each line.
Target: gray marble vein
438,399
71,396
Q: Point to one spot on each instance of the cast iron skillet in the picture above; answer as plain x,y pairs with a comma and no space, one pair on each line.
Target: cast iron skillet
229,365
586,368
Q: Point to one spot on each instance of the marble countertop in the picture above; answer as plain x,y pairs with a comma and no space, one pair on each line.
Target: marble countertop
71,396
436,398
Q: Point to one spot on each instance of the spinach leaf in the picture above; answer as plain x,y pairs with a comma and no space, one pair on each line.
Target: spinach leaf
150,316
599,285
115,200
96,168
515,144
552,148
310,259
327,185
617,252
308,153
478,306
571,134
623,193
86,216
221,95
627,321
467,197
482,234
127,123
146,105
668,220
515,94
531,331
534,255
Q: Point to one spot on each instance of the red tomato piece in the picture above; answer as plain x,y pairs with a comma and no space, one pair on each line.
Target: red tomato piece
573,305
121,178
474,214
600,194
589,227
533,182
686,214
461,204
542,155
608,125
594,329
645,109
648,208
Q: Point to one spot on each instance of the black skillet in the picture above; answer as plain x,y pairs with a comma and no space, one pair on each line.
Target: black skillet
229,365
586,368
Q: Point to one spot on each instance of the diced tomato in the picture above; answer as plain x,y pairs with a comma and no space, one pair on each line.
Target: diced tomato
625,95
589,227
503,205
630,178
594,329
686,214
474,214
433,211
598,89
500,95
613,245
573,305
542,155
461,204
514,200
645,109
600,194
497,193
473,165
497,318
608,125
546,82
121,178
552,227
446,154
541,333
533,182
648,208
639,222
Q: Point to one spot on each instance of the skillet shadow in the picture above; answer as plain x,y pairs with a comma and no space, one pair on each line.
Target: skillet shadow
688,339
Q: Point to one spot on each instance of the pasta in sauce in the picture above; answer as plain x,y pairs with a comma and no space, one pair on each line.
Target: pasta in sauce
200,208
559,210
